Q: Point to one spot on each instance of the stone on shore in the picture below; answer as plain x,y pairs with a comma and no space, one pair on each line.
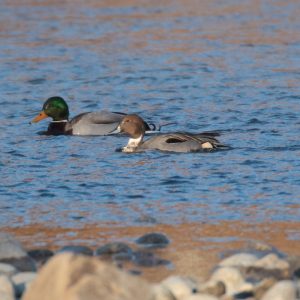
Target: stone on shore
67,276
22,281
239,260
7,269
6,288
200,297
232,279
40,256
153,240
84,250
282,290
180,286
271,262
12,252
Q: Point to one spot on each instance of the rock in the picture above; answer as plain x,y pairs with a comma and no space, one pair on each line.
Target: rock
162,293
12,252
114,249
213,287
10,247
40,256
199,297
22,281
77,250
233,280
67,276
263,286
239,260
7,269
180,286
255,274
148,259
153,240
271,262
6,288
282,290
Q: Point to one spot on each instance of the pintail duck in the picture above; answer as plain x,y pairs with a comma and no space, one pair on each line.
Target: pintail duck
134,126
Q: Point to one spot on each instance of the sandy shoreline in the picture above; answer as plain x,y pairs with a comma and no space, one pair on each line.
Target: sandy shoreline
195,248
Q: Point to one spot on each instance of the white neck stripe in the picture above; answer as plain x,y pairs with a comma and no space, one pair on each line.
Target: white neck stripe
61,121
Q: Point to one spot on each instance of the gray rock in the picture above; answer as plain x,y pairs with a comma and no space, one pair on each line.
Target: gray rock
282,290
148,259
40,256
239,260
6,288
180,286
7,269
10,247
272,261
233,280
83,250
12,252
22,281
114,249
153,240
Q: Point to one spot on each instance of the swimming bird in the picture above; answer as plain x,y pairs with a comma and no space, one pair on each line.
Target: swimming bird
88,123
134,126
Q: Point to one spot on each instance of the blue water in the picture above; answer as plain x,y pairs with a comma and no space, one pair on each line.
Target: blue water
233,67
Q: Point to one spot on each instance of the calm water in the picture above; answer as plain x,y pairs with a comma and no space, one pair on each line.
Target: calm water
227,65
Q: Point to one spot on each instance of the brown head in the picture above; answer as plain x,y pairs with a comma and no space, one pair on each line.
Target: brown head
133,125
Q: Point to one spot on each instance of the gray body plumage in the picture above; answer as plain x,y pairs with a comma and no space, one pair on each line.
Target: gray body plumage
95,123
181,142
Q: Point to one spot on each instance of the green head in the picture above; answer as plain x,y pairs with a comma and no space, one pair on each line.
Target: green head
55,108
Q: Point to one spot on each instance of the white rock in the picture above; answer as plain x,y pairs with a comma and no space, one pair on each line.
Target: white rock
6,288
282,290
22,281
162,293
233,280
180,286
7,269
239,260
272,261
200,297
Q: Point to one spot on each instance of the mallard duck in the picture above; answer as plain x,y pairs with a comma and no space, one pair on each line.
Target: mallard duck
88,123
134,126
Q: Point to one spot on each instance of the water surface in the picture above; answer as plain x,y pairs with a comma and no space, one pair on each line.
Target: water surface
231,66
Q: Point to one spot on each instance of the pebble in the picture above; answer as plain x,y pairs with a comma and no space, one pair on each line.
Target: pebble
22,280
40,256
11,252
114,248
282,290
148,259
233,280
6,288
180,286
200,297
7,269
160,292
83,250
10,247
272,261
213,287
239,260
153,240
